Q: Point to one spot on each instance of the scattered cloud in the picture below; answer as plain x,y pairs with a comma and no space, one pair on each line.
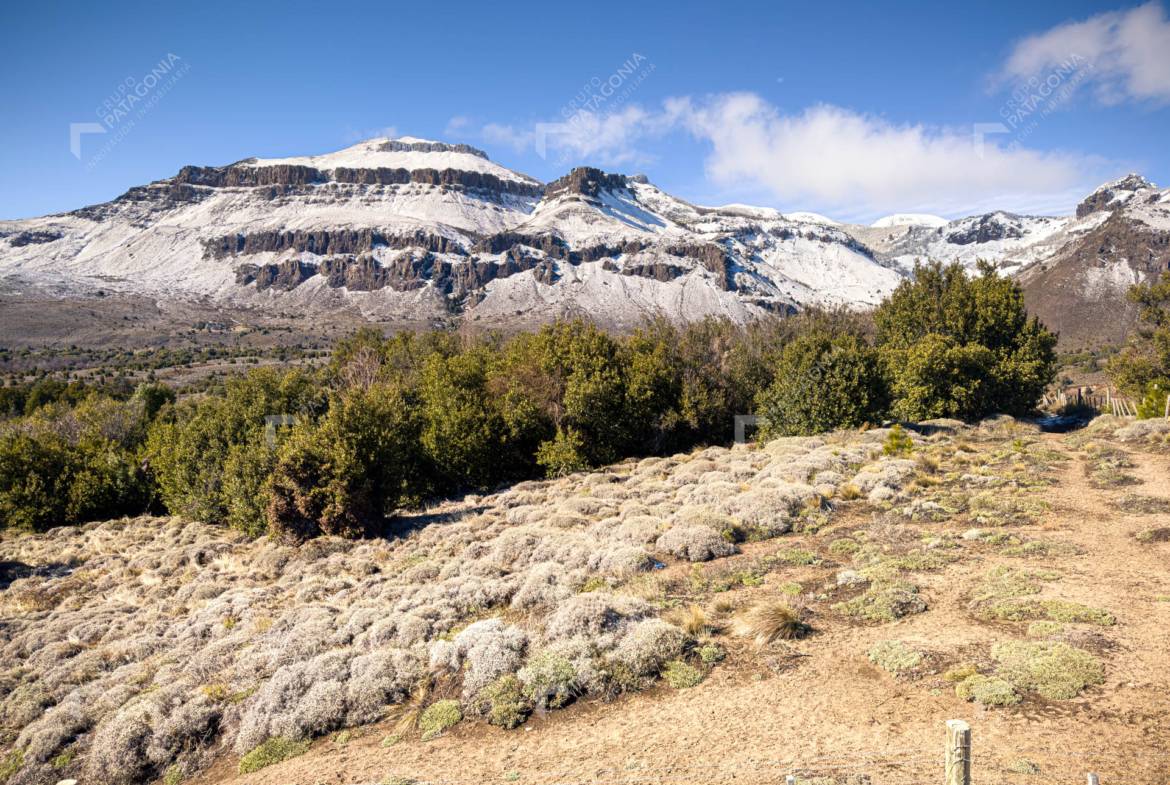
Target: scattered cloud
518,139
824,158
456,126
353,136
836,158
604,139
1127,54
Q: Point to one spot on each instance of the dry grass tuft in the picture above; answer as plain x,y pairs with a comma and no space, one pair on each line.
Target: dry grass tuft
692,620
413,709
768,622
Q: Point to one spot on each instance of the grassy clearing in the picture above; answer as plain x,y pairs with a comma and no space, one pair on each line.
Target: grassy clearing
586,599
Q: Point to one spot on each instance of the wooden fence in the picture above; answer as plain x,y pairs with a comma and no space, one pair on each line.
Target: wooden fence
1104,400
957,758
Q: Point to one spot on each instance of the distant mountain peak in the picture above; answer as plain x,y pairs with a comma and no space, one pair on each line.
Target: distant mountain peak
1113,194
1130,182
586,181
412,144
404,152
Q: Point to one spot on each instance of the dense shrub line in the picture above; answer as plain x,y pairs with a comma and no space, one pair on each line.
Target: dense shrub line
392,421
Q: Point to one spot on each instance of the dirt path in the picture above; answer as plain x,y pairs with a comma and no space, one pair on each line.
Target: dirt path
829,711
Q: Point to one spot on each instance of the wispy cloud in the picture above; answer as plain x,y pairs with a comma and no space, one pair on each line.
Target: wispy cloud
608,139
359,135
456,125
1128,53
827,158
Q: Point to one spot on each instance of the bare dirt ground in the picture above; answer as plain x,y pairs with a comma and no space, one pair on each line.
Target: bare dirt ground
819,708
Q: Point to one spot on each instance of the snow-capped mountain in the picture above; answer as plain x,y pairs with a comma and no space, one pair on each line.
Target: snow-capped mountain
413,229
1121,236
410,228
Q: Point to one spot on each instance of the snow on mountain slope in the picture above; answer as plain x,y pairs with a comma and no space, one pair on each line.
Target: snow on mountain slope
414,229
589,207
811,218
909,219
596,290
1121,236
1007,240
187,236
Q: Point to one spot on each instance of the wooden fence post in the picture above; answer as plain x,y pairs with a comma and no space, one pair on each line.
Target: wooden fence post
958,760
1168,407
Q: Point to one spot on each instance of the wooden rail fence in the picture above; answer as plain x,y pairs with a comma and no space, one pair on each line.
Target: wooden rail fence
1101,399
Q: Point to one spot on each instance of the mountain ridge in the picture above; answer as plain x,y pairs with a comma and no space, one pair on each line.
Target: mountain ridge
408,228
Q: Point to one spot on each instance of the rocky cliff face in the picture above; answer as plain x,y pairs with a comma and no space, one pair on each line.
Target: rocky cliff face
1114,195
1081,290
988,228
585,181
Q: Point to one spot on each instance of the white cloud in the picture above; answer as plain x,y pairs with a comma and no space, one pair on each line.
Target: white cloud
603,139
510,136
360,135
456,125
826,158
833,158
1126,54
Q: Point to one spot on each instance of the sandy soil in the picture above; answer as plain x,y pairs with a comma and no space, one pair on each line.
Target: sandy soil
818,707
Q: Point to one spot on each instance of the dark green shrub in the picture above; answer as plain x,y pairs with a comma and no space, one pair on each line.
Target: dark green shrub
824,380
341,475
954,346
67,465
465,434
189,445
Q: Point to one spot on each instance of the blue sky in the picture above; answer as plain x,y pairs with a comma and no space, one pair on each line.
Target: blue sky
851,109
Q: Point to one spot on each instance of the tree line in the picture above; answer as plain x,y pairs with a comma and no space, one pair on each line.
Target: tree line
391,421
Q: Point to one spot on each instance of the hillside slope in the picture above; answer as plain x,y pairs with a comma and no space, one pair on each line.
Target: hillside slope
151,646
